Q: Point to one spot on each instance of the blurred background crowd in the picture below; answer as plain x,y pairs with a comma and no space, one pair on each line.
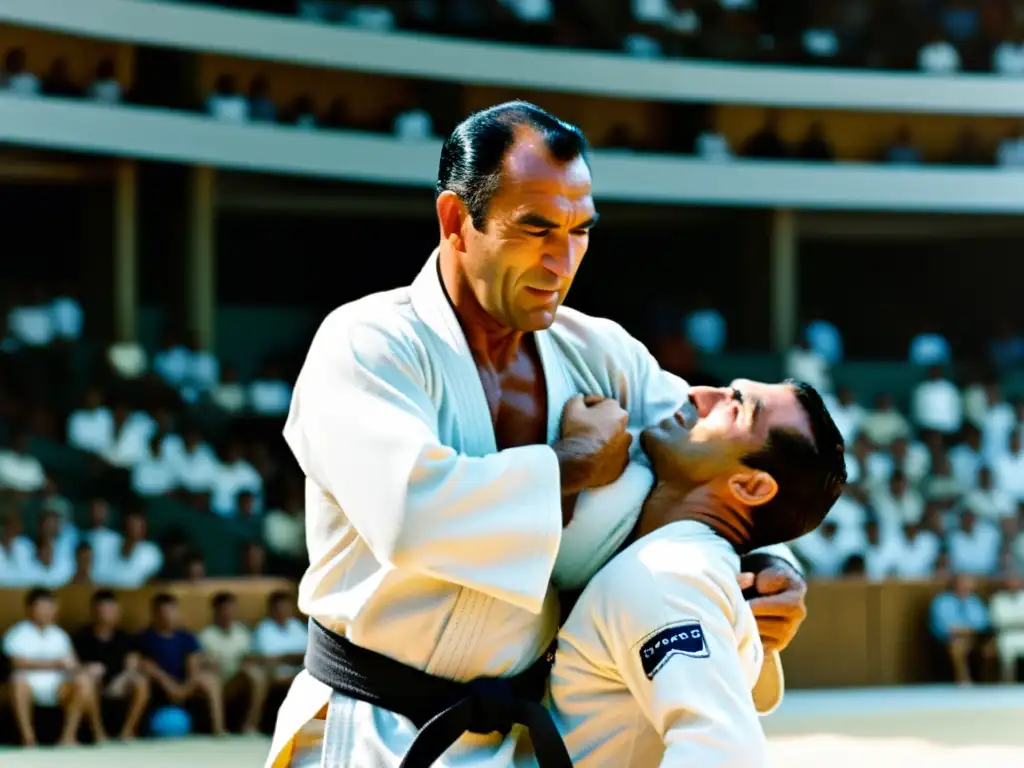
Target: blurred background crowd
140,416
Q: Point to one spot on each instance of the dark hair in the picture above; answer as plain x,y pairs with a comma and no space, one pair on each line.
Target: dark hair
221,598
161,599
276,597
83,546
472,155
103,596
37,595
810,475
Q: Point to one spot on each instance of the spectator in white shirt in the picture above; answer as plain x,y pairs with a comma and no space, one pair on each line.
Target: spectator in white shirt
663,27
910,458
966,457
825,339
920,552
937,405
262,108
33,323
105,87
51,566
16,553
986,501
820,41
234,476
68,316
230,395
824,551
803,364
938,56
974,546
127,360
202,370
941,484
929,348
998,422
227,642
883,552
414,124
195,460
131,435
172,361
1010,152
280,640
706,328
226,103
137,561
154,474
270,394
884,423
91,427
846,412
896,504
46,673
284,529
1008,470
1006,611
105,541
19,470
1008,57
17,79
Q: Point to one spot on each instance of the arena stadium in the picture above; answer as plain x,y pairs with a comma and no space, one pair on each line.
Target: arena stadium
824,191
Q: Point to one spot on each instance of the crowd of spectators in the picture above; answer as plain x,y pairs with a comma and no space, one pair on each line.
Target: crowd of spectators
933,36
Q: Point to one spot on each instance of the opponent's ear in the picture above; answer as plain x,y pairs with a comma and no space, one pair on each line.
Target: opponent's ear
753,488
452,215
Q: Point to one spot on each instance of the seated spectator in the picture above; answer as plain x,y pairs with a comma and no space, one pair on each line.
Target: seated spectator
902,150
303,113
883,424
85,566
920,552
127,360
154,474
195,567
937,405
136,561
766,144
105,87
234,475
884,551
19,470
110,656
254,558
32,323
824,551
105,541
966,457
16,553
413,124
16,77
230,395
706,328
172,360
68,316
226,103
997,424
896,504
974,547
46,673
959,620
942,484
938,56
1006,350
54,501
284,529
1010,151
1006,610
803,364
91,427
662,27
57,81
173,662
49,566
261,108
910,458
825,339
202,369
711,143
279,642
270,394
815,147
986,501
1008,470
131,435
227,643
846,412
929,348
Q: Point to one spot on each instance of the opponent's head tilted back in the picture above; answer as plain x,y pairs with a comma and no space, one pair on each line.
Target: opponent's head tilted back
769,453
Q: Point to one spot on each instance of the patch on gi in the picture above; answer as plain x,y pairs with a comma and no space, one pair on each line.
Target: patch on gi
685,638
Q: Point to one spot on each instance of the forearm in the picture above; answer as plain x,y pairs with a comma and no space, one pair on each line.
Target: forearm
29,665
573,468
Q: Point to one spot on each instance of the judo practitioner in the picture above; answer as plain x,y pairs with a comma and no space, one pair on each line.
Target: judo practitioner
451,457
656,663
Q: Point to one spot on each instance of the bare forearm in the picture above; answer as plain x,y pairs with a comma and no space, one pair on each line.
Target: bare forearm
29,665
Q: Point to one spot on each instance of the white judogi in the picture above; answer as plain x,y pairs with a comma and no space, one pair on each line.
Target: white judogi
657,660
426,543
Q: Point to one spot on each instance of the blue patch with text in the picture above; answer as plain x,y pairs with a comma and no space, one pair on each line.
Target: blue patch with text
685,638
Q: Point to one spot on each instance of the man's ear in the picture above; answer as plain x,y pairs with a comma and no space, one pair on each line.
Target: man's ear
753,488
452,215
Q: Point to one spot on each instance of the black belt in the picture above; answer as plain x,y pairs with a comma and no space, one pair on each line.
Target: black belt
443,710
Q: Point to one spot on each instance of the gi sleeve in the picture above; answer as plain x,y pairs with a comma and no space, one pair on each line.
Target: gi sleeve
363,428
674,643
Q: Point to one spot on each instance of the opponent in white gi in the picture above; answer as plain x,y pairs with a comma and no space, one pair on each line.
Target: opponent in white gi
445,445
656,663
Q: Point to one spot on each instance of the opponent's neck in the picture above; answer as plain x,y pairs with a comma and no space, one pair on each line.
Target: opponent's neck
668,504
488,340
